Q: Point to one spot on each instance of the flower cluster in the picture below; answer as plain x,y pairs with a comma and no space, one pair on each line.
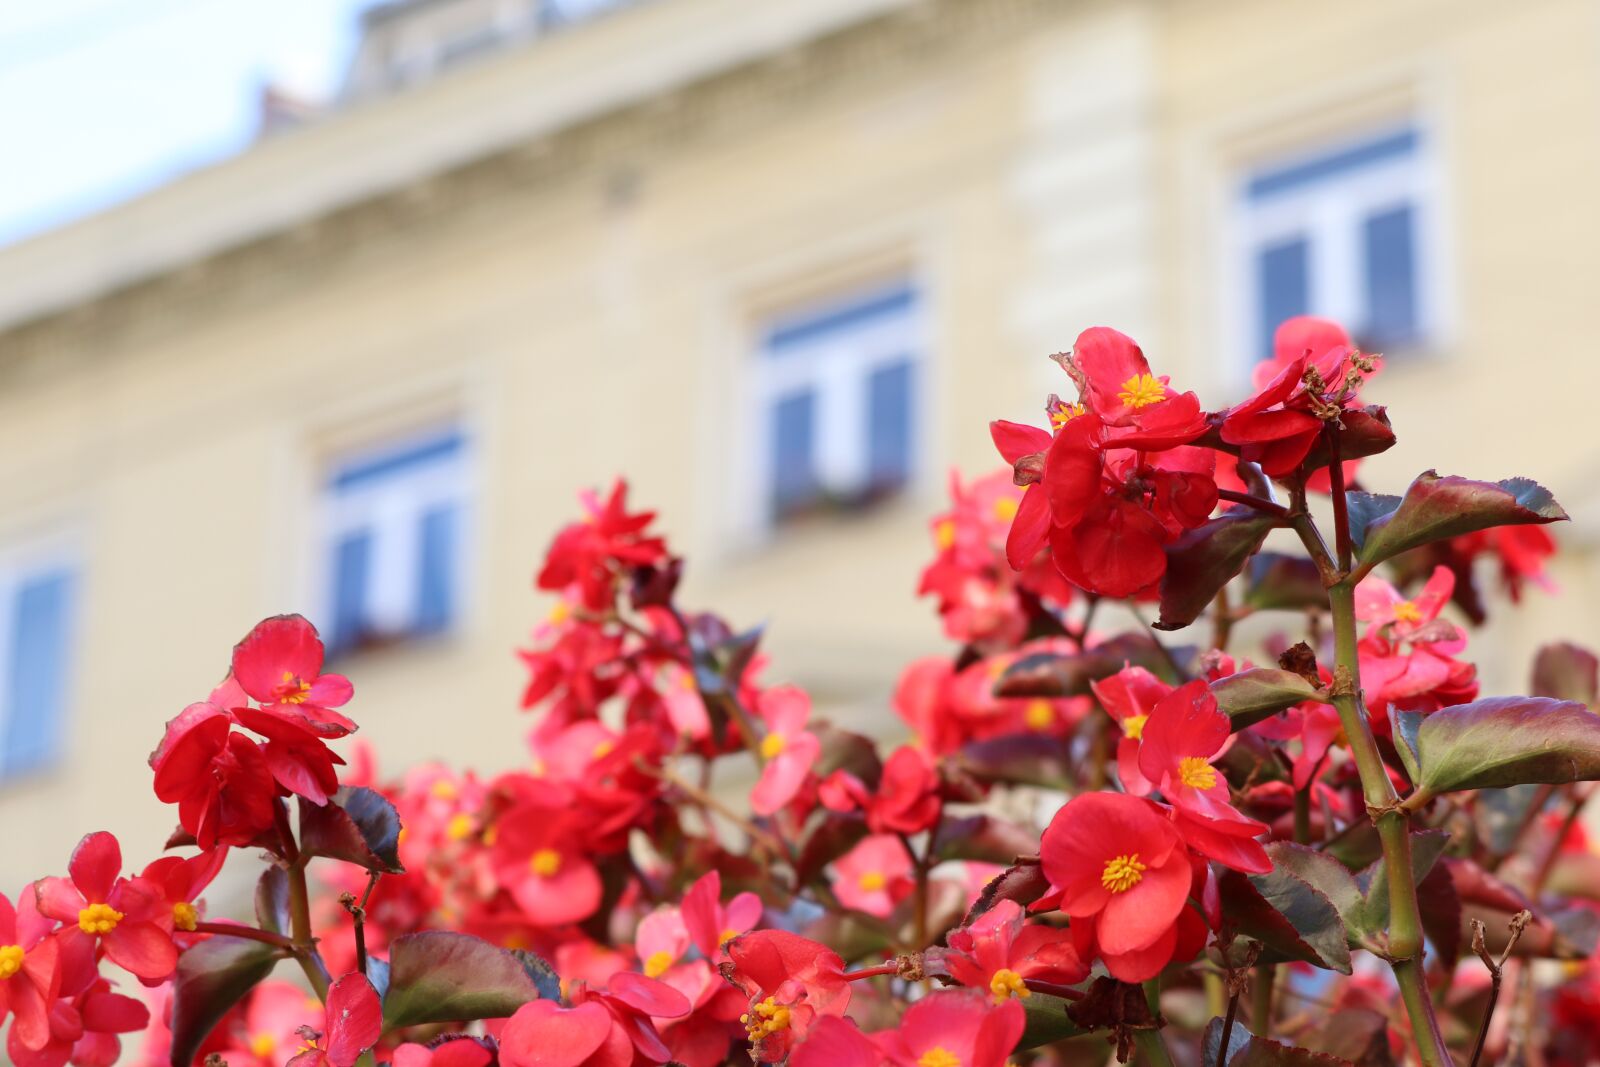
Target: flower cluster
1087,834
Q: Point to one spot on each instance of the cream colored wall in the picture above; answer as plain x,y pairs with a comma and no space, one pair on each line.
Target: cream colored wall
1511,92
586,310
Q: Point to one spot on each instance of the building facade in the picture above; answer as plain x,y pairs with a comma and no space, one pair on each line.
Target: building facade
778,264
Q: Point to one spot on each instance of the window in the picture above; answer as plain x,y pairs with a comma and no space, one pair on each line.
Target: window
37,593
395,534
837,396
1342,233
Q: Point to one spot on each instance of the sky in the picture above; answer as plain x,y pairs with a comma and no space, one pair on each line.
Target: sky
102,99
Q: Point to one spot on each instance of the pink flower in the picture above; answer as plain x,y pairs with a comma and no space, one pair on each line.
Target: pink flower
787,747
874,876
30,979
789,982
539,858
453,1050
957,1028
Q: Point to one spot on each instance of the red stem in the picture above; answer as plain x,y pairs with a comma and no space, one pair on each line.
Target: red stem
872,972
1256,502
249,933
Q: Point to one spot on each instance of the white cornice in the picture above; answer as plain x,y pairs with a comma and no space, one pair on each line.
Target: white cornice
387,144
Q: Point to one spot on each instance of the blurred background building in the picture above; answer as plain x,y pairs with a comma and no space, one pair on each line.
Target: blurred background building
778,263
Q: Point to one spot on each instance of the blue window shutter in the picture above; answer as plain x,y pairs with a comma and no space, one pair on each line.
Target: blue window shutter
1283,287
39,662
436,582
794,476
351,556
1389,247
891,405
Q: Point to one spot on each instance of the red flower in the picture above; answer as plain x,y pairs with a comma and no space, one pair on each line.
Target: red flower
1314,369
632,1001
30,979
711,924
130,918
788,748
181,880
836,1042
1183,938
790,982
351,1024
538,857
279,664
907,798
956,1028
452,1050
1185,732
1117,859
1129,696
1139,409
219,779
1001,950
544,1034
591,554
84,1029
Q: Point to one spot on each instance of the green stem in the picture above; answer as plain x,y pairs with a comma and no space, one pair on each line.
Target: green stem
1405,945
300,925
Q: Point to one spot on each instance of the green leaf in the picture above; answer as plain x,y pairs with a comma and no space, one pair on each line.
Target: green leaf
1023,759
439,976
1320,871
357,825
1247,1050
1206,558
1567,672
1505,741
1403,727
1260,692
1436,508
1279,582
1371,922
272,900
1293,919
212,977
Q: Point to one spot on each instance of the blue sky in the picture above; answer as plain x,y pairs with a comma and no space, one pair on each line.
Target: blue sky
101,99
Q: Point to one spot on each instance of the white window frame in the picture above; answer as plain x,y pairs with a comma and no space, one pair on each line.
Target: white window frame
1328,214
19,563
392,512
837,366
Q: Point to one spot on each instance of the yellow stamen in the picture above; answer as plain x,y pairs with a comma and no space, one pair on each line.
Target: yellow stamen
444,789
1039,715
98,919
771,745
1407,611
10,960
1122,873
872,881
1196,773
944,534
1065,414
1133,726
1006,984
603,749
726,936
185,916
1142,390
263,1045
297,690
545,862
765,1018
657,964
938,1056
1005,508
459,828
559,613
